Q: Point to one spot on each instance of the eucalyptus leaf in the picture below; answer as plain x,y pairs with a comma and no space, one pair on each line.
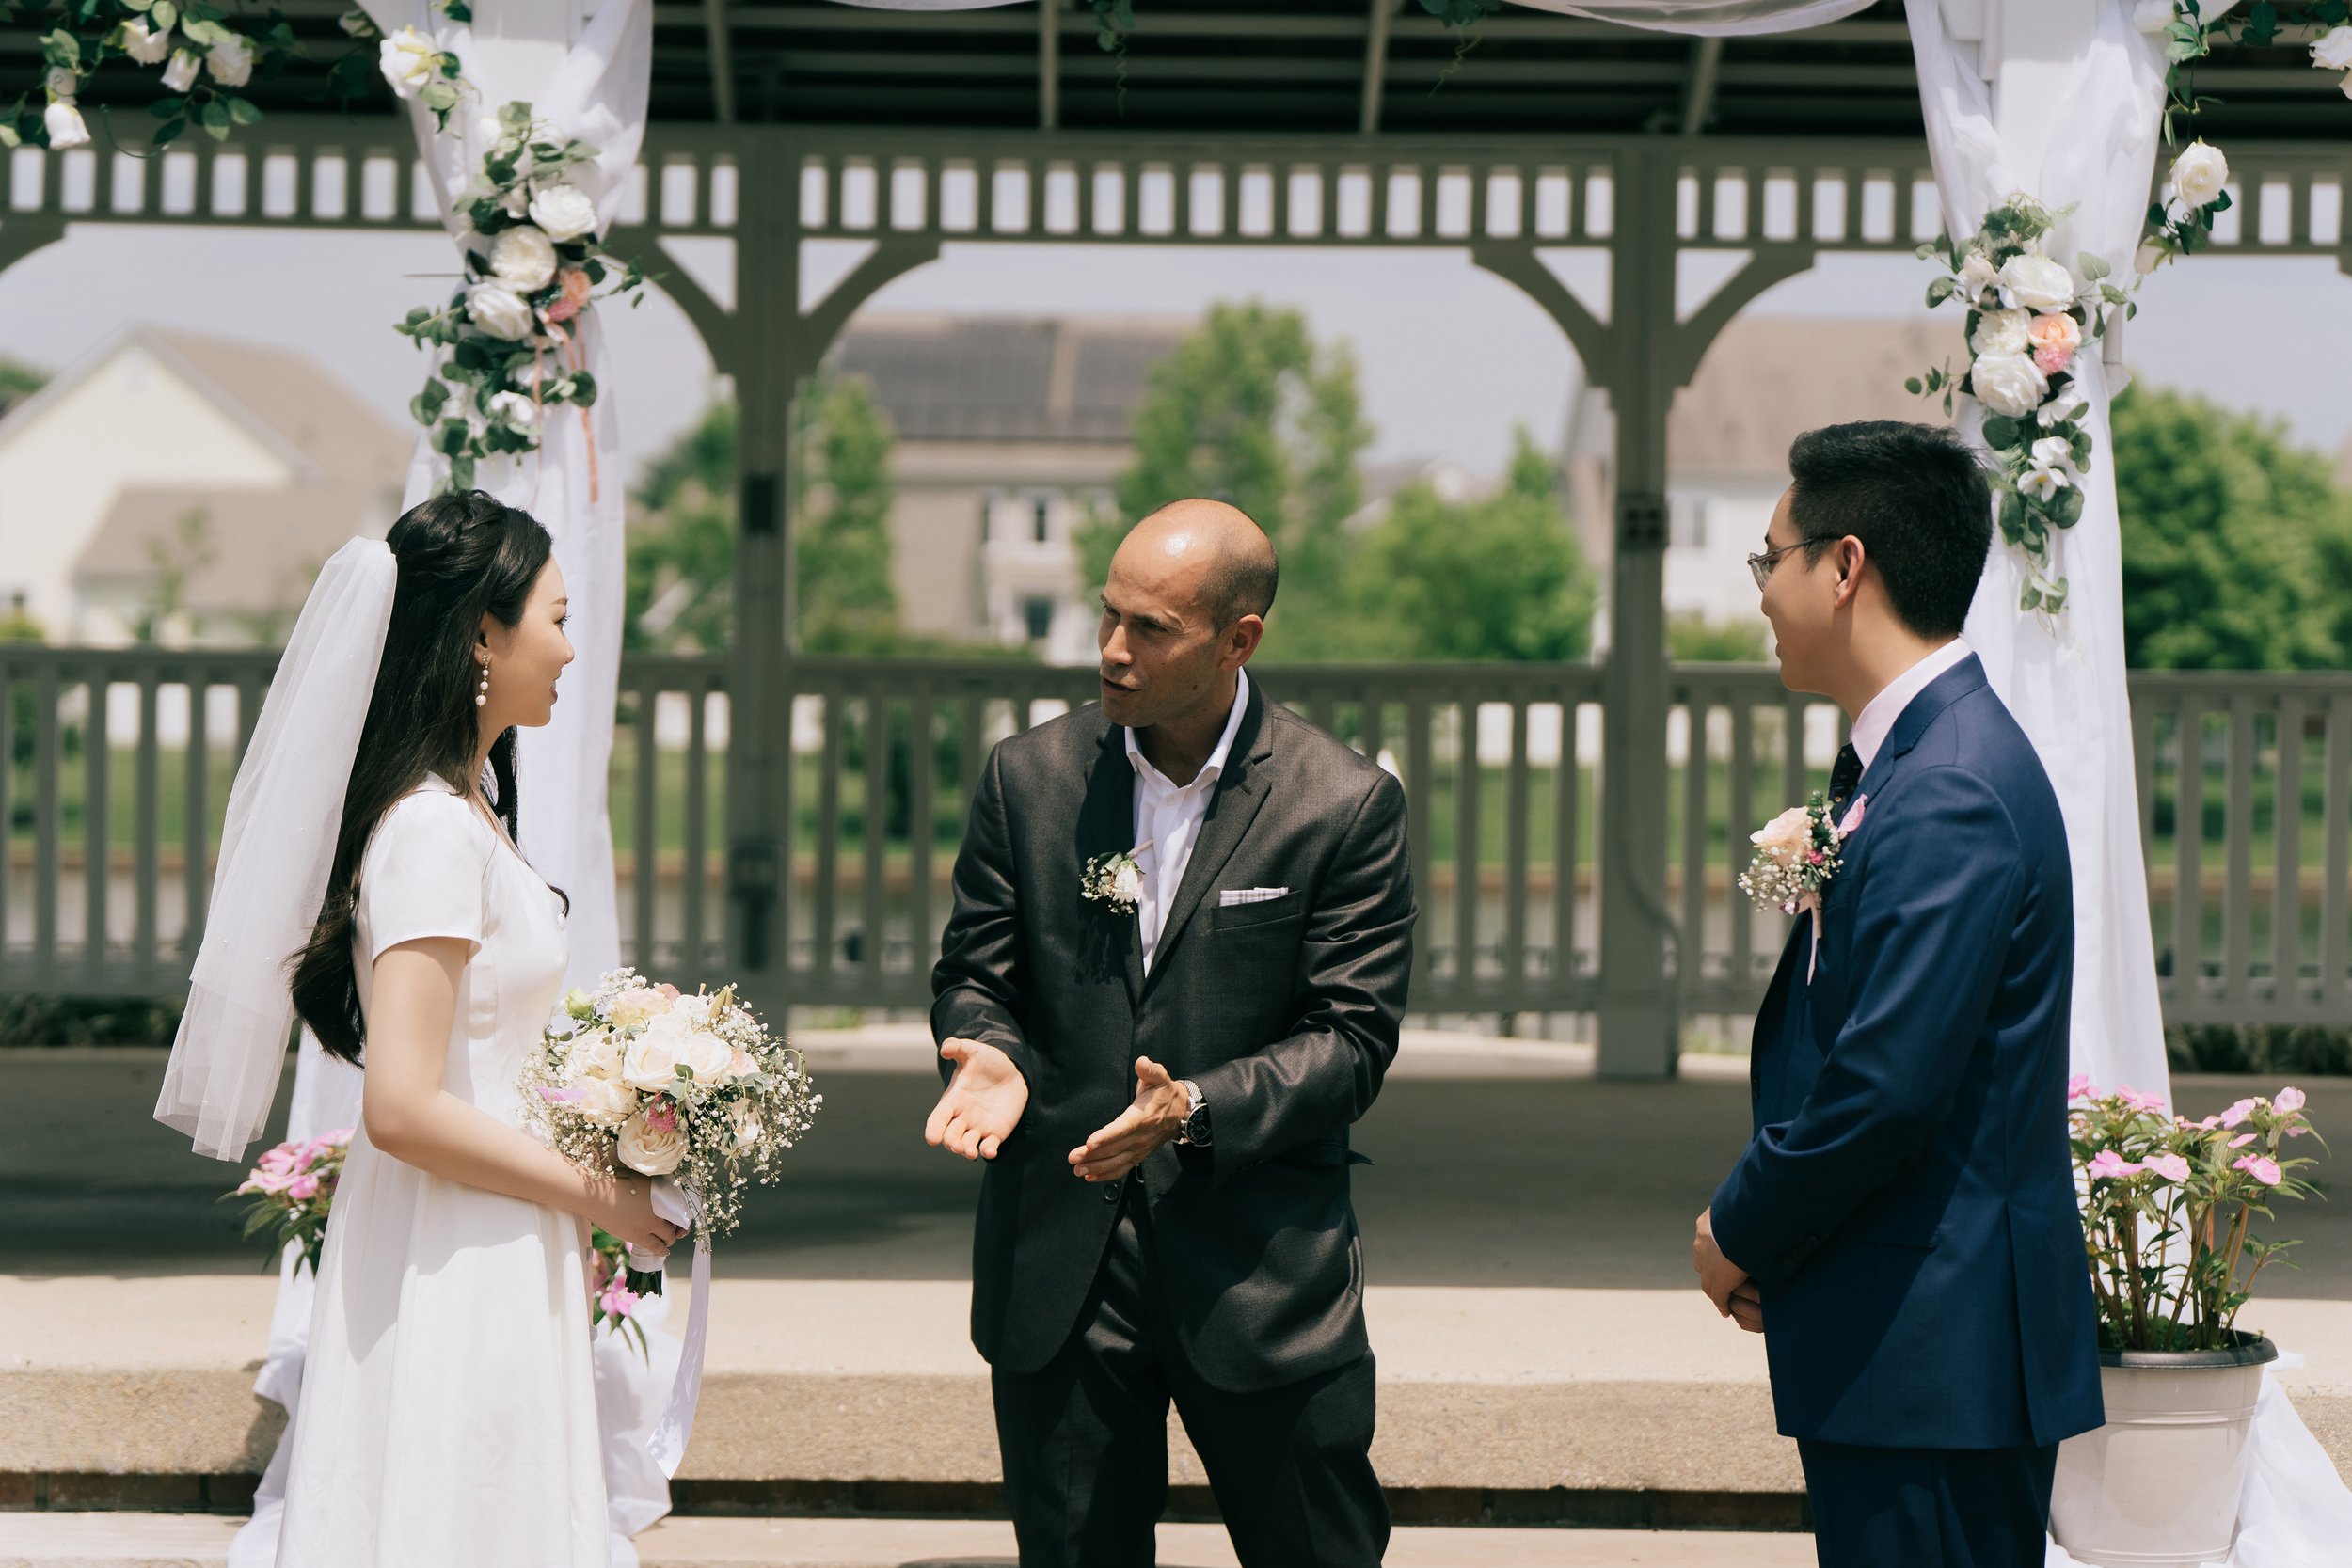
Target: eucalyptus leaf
244,111
169,132
2092,267
2001,433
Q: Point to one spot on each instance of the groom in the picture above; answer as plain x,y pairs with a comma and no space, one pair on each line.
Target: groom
1162,1073
1902,1227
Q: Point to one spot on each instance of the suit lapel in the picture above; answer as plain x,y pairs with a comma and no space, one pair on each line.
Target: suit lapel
1106,825
1232,806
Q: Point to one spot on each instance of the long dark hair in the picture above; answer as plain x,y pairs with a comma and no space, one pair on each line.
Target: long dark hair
461,556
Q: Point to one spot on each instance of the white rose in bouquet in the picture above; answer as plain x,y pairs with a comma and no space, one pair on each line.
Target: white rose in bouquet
180,75
742,1064
654,1150
605,1102
2332,50
2199,174
143,45
651,1061
500,311
515,410
2009,384
564,213
409,62
597,1054
706,1057
230,61
1787,838
2000,332
2037,283
522,259
1127,885
63,123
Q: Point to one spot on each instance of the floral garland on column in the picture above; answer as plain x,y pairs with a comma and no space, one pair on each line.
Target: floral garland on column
535,263
203,61
2029,316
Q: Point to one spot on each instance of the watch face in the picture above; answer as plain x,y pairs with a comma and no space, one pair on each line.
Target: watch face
1196,1127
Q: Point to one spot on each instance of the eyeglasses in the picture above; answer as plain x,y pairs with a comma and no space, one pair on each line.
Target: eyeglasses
1760,564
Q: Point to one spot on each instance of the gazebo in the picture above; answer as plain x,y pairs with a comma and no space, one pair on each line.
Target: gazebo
1325,123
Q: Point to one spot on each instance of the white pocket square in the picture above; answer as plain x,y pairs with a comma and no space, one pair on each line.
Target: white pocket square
1228,897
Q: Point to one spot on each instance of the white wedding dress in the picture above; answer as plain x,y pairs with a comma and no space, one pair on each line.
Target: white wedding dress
448,1414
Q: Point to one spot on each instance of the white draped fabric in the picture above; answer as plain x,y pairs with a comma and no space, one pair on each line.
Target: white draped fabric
2091,147
589,78
1728,18
2089,141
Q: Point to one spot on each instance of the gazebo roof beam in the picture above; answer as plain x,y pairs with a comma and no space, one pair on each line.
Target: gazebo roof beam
722,61
1698,90
1048,65
1378,14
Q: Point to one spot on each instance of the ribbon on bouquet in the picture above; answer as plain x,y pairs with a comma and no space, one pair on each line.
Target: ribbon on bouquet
667,1443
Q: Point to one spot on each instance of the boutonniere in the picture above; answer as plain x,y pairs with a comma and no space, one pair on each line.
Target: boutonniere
1797,856
1115,879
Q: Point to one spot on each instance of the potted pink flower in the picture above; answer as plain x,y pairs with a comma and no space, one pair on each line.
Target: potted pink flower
2168,1206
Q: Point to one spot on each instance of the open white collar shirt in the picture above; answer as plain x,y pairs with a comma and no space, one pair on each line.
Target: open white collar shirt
1877,720
1167,819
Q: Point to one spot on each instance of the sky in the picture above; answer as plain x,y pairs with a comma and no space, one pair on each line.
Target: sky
1451,358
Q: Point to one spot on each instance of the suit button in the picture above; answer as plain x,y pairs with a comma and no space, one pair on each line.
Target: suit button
1110,1193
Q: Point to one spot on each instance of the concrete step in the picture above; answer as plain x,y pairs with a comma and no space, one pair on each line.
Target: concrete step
823,1383
194,1541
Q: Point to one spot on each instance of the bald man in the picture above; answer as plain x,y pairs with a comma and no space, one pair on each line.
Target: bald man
1162,1082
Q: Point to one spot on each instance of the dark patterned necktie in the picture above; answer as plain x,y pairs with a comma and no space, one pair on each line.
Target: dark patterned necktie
1845,775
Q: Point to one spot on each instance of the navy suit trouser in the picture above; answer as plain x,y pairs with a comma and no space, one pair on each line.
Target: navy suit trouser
1929,1507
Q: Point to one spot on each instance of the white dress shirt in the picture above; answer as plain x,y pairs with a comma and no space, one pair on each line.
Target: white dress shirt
1167,818
1877,720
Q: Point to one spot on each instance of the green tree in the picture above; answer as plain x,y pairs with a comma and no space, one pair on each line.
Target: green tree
1693,639
681,542
1249,408
189,549
2237,550
1496,577
845,599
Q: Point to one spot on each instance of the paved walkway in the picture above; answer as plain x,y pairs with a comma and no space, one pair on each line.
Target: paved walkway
165,1541
1496,1164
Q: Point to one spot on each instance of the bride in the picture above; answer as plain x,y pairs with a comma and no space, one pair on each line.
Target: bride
369,882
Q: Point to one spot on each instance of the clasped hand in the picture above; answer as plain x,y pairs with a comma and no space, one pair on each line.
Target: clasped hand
1727,1283
986,1096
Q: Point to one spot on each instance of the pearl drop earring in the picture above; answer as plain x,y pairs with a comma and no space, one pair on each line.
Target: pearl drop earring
482,692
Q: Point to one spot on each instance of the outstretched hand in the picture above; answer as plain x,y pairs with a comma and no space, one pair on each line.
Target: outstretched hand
982,1105
1154,1119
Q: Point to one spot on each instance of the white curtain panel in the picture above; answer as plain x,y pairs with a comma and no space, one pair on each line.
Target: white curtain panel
1727,17
2064,680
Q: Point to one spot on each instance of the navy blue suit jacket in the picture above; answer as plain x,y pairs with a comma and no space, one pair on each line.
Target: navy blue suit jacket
1907,1204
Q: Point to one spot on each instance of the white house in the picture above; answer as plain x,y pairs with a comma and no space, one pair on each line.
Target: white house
237,468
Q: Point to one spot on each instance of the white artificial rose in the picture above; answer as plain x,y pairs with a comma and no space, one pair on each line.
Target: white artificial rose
180,75
742,1064
63,85
63,123
2052,451
2037,283
563,212
1127,885
2000,332
644,1148
409,62
2333,49
522,259
1785,838
2199,174
605,1102
230,61
500,311
143,45
1977,276
2008,384
515,410
705,1055
651,1061
2041,484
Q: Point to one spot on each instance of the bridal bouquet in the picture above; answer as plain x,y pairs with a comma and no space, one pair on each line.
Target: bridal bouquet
642,1077
2168,1206
292,1187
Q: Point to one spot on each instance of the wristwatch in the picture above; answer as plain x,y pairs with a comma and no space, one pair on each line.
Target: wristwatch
1195,1132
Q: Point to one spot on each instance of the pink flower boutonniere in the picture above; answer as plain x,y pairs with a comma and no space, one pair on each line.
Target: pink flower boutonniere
1797,853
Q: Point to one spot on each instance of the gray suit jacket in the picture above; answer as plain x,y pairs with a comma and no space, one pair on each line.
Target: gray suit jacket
1285,1013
